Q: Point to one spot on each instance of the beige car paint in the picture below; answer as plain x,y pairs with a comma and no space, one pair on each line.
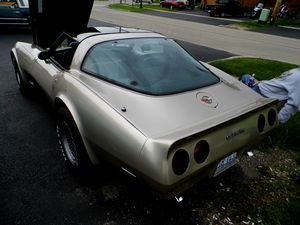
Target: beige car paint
142,132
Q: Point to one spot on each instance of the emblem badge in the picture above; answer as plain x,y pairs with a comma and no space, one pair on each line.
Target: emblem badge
206,99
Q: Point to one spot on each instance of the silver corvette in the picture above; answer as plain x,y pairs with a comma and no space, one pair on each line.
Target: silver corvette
139,100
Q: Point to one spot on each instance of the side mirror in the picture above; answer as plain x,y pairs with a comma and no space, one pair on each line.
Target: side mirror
44,55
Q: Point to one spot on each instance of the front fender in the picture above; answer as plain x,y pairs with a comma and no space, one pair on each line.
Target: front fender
14,55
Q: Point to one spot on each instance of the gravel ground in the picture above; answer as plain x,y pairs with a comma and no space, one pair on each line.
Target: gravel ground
259,190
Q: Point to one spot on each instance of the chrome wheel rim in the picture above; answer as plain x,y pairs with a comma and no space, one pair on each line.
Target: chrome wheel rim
68,143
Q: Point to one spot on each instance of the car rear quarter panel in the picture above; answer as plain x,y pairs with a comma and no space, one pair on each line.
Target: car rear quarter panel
104,131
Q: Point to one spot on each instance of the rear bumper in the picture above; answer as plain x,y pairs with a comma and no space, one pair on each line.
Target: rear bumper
171,191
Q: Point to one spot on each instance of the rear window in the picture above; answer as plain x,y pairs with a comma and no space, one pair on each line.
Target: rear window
155,66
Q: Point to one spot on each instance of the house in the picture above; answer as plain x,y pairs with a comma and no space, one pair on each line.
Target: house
252,3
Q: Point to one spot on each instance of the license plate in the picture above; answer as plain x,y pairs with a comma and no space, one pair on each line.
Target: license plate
226,163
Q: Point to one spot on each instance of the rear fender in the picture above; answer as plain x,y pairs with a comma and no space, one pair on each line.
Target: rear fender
63,101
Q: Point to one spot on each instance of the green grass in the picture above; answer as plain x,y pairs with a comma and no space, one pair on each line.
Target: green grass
253,24
288,22
136,7
250,24
285,135
263,69
288,136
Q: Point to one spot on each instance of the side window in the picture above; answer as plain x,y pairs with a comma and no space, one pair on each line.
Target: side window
22,3
62,51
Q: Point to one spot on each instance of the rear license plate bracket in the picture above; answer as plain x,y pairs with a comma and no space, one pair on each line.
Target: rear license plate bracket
226,163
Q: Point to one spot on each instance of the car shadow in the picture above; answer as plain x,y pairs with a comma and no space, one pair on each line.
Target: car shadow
128,196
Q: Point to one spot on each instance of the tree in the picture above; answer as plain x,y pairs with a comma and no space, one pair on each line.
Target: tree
275,11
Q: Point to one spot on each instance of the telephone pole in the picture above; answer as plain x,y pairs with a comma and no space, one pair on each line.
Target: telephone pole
275,12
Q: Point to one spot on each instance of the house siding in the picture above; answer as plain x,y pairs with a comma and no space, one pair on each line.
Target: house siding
251,3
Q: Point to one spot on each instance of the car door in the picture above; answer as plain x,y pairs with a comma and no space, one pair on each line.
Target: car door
49,18
46,74
9,10
54,62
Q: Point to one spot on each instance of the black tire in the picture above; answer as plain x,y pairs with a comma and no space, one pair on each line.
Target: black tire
23,87
70,142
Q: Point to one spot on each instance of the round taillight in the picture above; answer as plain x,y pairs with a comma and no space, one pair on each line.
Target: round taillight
201,151
272,116
180,161
261,123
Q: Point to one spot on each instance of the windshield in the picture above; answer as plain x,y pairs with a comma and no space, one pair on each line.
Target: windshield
155,66
23,3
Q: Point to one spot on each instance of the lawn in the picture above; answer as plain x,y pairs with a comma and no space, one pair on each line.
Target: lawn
248,24
254,24
135,7
262,68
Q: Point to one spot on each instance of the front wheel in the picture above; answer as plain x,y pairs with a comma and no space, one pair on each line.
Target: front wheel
70,142
23,87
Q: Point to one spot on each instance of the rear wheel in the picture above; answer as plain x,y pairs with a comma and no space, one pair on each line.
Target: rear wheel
70,142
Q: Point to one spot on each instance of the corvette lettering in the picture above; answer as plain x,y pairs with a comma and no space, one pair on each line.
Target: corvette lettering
234,134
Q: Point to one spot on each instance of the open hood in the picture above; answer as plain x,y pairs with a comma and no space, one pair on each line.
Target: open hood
49,18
